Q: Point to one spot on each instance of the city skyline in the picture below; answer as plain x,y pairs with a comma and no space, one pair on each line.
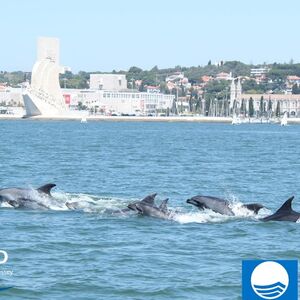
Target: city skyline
106,36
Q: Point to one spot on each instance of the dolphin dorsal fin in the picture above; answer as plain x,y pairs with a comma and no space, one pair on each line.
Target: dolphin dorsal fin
46,188
149,199
286,206
163,205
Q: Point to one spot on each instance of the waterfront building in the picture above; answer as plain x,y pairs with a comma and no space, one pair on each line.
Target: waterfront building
289,104
10,96
43,96
119,102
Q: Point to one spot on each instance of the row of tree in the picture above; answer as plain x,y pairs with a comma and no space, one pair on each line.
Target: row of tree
221,107
275,80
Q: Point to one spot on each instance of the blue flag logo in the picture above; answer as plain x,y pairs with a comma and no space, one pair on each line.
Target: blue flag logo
270,280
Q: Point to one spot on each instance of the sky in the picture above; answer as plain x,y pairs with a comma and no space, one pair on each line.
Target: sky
98,35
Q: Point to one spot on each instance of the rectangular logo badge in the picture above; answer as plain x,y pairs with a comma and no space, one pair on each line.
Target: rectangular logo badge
270,279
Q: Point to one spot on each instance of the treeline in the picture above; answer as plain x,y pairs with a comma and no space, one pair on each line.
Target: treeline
14,78
275,80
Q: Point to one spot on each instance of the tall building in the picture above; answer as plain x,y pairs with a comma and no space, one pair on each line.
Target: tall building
110,82
44,96
235,94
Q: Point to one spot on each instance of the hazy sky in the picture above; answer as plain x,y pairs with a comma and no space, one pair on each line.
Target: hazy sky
114,34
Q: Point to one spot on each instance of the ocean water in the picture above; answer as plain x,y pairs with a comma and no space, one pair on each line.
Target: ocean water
91,254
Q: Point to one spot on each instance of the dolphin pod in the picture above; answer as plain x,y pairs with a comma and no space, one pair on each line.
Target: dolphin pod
147,207
25,198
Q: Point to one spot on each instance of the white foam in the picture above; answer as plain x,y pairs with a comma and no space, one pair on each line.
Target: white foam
206,216
241,211
89,203
6,205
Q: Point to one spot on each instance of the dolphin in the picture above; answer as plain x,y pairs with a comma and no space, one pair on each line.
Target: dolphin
284,213
219,205
26,198
147,207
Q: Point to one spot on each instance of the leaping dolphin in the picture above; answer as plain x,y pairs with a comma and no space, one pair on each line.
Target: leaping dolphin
26,198
147,207
284,213
219,205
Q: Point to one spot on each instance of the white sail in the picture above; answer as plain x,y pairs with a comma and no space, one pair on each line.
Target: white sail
284,120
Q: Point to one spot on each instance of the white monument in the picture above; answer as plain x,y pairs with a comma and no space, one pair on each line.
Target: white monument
235,94
44,96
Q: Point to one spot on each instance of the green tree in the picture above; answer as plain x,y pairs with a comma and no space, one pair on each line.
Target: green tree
278,109
269,105
135,70
261,106
251,107
243,107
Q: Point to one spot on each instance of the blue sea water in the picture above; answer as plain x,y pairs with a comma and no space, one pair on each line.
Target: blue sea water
91,254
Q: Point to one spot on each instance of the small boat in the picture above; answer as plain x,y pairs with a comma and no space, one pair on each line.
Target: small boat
83,120
284,120
235,120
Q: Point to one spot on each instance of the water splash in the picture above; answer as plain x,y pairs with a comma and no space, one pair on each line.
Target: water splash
206,216
89,203
209,216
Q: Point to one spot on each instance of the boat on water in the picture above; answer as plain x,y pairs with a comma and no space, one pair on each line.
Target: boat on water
83,120
284,120
235,120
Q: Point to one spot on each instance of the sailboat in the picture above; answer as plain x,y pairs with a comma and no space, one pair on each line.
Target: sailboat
236,120
284,120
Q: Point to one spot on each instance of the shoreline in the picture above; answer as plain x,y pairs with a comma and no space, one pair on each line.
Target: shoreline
198,119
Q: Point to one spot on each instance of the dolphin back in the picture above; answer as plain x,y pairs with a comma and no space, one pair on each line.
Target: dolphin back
46,189
255,207
284,213
216,204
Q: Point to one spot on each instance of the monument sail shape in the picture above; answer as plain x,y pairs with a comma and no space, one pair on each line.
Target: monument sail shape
44,96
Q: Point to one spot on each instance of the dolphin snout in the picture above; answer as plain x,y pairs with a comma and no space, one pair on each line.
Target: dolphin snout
131,206
191,201
135,207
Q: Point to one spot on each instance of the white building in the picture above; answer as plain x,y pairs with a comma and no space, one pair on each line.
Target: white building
118,102
259,71
11,96
289,104
111,82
